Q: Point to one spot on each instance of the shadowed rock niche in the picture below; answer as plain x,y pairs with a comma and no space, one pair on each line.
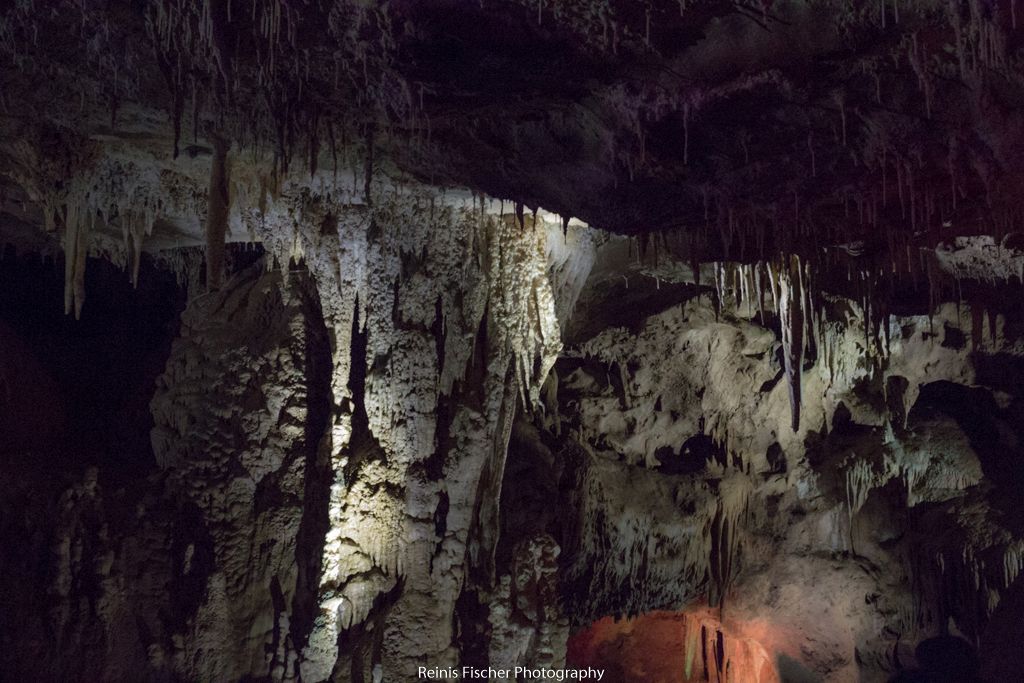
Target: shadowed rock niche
381,341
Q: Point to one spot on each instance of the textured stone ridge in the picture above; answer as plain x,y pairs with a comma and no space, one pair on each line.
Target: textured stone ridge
238,417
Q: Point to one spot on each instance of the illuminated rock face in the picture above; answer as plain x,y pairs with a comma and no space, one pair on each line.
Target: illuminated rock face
422,434
419,339
377,449
238,414
455,317
688,480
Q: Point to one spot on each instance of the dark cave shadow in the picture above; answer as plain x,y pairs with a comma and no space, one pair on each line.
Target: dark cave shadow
792,671
319,477
992,431
943,659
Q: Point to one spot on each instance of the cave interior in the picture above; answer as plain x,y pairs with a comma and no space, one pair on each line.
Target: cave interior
641,341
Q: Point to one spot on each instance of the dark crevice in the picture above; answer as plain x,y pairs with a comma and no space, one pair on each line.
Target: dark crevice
318,476
994,433
78,391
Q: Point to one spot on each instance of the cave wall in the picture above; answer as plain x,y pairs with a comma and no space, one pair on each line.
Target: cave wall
434,426
876,524
378,449
183,572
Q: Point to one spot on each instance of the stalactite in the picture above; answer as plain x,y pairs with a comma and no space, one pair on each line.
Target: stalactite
1013,563
810,147
78,223
719,294
217,214
759,288
918,62
860,480
724,535
812,343
977,325
135,226
791,316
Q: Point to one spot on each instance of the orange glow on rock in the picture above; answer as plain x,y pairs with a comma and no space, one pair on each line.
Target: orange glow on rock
668,647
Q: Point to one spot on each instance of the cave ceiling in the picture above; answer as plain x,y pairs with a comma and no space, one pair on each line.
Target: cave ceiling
742,127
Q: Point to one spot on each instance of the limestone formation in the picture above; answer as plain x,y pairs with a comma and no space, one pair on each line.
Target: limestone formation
346,339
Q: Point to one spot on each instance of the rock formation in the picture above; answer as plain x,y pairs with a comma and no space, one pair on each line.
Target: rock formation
350,340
